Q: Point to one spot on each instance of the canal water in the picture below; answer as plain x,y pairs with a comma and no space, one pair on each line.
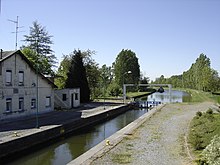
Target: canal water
67,149
165,97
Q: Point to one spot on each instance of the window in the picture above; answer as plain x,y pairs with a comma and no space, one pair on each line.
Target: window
20,78
64,97
76,96
8,78
33,103
48,101
21,104
8,105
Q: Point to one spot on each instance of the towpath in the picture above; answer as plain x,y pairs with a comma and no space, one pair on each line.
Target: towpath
160,140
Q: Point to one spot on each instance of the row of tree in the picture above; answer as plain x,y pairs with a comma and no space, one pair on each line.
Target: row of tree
200,76
79,69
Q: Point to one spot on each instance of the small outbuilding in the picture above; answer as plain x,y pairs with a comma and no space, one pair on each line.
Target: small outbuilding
67,98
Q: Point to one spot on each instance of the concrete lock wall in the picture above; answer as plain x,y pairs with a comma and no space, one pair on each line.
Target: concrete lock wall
23,143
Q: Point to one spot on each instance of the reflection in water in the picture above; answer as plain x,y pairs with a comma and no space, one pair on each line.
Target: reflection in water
68,149
176,96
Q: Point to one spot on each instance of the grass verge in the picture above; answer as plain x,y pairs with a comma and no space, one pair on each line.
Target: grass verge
203,128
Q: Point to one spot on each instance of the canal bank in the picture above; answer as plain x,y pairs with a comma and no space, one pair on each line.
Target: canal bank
109,143
17,141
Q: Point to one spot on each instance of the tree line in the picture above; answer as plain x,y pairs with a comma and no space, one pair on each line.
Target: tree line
199,76
78,69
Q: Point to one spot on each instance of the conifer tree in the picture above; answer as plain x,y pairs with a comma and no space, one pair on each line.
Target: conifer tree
76,77
40,41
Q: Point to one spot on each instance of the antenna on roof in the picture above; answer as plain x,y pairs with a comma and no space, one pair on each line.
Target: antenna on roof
16,31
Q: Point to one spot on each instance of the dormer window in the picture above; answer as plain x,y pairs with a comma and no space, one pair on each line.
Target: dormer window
21,78
8,78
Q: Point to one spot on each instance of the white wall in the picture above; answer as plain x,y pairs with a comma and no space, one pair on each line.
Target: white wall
15,63
68,102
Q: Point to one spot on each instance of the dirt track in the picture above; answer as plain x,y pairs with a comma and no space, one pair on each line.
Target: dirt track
160,140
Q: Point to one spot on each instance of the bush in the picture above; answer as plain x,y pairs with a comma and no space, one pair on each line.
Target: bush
203,129
114,89
198,114
209,111
211,154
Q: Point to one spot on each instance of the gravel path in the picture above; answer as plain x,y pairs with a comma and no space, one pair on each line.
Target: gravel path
159,141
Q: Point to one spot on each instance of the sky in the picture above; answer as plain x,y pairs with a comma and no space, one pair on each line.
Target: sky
167,36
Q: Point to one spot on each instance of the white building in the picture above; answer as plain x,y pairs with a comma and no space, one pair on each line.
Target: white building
23,91
67,98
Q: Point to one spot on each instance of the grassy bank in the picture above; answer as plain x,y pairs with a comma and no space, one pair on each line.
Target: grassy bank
138,94
203,128
200,96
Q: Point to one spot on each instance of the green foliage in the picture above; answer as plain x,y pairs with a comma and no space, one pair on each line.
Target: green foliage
200,76
92,72
199,114
76,77
63,69
126,61
209,111
114,89
211,154
144,80
203,128
39,41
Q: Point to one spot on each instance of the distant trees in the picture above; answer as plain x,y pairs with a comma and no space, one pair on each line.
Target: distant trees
38,49
200,76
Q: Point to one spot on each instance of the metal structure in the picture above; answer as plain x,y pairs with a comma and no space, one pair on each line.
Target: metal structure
16,31
150,85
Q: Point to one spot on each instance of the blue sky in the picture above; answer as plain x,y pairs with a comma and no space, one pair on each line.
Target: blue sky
166,35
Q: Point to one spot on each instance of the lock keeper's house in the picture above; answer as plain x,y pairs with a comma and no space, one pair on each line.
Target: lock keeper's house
23,90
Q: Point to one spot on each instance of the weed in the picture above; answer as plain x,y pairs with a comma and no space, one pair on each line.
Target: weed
122,158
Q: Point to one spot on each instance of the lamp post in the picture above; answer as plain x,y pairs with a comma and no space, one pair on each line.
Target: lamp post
124,95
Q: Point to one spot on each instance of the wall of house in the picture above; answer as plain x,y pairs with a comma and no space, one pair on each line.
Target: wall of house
27,91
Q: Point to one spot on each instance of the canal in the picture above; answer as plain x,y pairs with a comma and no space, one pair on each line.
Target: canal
67,149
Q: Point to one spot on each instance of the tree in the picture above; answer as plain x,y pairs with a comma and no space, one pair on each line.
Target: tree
106,75
143,80
76,77
92,72
126,61
40,41
200,76
63,69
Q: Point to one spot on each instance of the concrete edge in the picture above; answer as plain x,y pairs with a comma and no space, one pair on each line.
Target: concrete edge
102,148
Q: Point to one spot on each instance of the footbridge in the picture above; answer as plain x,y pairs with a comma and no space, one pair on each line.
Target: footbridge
148,85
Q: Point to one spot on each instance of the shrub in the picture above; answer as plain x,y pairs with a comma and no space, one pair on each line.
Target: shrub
203,128
209,111
198,114
211,154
